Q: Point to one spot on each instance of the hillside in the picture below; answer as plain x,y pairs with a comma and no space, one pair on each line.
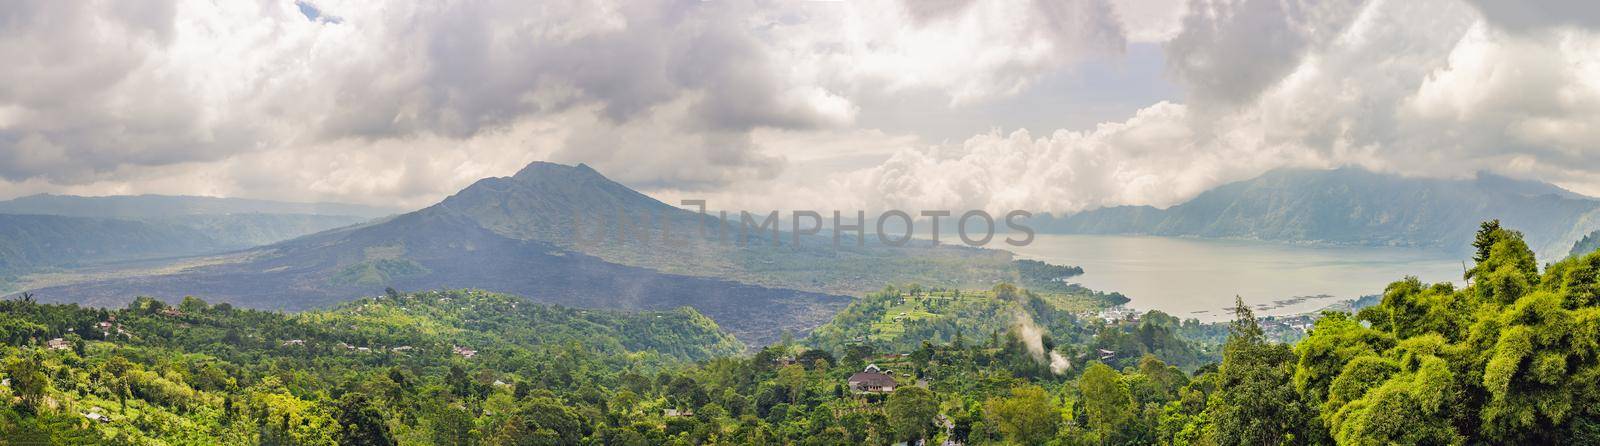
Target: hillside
230,223
514,235
1355,207
33,242
37,243
1589,243
148,206
420,251
578,209
187,373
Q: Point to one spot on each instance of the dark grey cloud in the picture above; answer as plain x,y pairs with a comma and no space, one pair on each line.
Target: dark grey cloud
1523,16
482,60
62,113
1231,50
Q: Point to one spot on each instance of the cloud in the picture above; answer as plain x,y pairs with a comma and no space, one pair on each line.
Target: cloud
966,51
1230,50
1152,21
1532,16
104,96
1421,88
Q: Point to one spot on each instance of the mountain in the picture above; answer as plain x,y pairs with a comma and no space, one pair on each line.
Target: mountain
577,208
517,235
149,206
1589,243
32,242
1351,206
55,231
232,223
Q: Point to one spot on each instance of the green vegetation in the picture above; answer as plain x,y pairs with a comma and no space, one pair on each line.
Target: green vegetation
901,320
413,367
376,273
34,242
1513,357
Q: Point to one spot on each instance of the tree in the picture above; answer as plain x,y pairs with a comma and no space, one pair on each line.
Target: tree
1484,240
1255,402
453,425
794,379
1106,399
116,371
1028,416
911,410
28,380
360,424
544,421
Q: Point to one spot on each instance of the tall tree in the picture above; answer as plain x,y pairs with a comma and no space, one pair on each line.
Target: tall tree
1106,399
360,424
1255,402
911,410
1028,416
28,380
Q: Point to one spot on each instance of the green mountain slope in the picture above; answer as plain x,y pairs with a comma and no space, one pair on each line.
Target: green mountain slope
1356,207
32,242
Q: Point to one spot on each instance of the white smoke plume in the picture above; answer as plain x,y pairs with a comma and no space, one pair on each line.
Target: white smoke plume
1033,337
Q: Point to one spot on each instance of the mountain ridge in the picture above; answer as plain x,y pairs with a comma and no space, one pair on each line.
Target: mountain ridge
1351,206
157,205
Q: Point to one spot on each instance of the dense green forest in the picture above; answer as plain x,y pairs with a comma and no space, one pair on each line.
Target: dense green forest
1512,357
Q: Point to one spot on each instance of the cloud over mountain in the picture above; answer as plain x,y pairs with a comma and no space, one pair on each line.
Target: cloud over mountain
788,104
1425,88
406,101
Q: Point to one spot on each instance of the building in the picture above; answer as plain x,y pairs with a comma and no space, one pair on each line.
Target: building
58,344
871,380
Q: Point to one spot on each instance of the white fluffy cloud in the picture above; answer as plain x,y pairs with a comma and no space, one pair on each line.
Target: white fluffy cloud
1431,87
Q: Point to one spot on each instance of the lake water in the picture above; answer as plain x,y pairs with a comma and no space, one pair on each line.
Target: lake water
1198,278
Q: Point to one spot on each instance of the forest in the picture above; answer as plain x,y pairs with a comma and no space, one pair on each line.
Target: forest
1510,357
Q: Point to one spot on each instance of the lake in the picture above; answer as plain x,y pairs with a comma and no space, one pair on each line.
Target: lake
1198,278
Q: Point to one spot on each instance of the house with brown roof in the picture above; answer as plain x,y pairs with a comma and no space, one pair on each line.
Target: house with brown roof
871,380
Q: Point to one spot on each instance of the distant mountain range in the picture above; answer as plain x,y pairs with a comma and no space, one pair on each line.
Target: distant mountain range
1352,206
517,235
65,231
151,206
32,242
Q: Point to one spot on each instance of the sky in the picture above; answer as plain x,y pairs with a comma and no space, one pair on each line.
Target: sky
1050,106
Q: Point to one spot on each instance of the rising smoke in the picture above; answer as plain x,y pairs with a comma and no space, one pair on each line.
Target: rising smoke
1033,337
